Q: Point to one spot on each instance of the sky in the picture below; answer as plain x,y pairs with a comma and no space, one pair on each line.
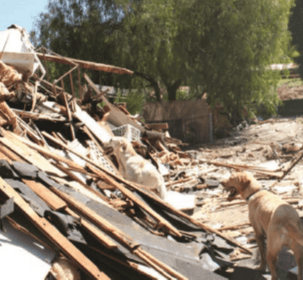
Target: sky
20,12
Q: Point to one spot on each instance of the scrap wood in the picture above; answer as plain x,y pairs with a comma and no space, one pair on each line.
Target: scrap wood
245,167
12,142
85,64
10,154
157,126
56,203
172,210
118,235
116,117
292,201
10,116
49,86
228,204
161,222
4,93
100,173
233,227
53,234
286,172
237,255
38,116
179,181
69,116
8,75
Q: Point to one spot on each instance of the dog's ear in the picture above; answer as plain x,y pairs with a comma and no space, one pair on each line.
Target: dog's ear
245,182
123,145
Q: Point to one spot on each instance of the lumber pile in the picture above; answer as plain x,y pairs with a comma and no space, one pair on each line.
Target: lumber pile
65,188
61,188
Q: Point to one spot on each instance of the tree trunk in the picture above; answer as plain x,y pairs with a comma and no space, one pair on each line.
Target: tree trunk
153,83
172,90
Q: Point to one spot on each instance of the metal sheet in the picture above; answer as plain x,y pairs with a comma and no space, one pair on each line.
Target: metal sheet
22,257
18,51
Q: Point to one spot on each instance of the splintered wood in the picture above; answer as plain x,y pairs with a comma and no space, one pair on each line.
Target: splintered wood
67,140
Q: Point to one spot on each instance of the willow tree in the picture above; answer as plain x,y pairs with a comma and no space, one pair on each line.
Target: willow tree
221,47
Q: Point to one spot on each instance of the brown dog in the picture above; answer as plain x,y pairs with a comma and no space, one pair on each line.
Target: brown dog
271,217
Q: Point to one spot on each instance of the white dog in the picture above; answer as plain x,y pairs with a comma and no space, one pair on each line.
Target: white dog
134,167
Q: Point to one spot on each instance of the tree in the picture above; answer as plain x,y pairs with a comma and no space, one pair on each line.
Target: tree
222,47
78,29
296,29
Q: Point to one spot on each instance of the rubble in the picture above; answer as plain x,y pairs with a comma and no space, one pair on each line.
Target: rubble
60,186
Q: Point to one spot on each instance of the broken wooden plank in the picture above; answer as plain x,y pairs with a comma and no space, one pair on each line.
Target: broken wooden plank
11,141
86,64
179,181
54,235
100,133
172,210
117,234
116,117
161,222
55,202
157,126
260,170
10,154
38,116
69,116
285,173
95,232
234,227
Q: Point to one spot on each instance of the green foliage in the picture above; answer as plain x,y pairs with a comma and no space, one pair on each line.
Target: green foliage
78,29
222,47
134,99
296,29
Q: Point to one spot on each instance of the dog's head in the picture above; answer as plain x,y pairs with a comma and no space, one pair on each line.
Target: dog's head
237,184
116,144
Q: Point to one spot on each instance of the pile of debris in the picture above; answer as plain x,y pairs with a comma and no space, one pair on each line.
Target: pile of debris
70,208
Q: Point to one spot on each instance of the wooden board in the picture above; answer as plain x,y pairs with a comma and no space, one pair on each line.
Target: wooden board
28,154
46,195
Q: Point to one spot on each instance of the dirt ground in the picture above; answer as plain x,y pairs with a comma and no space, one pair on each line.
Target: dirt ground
270,145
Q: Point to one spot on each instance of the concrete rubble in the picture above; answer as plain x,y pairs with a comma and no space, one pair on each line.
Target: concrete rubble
73,206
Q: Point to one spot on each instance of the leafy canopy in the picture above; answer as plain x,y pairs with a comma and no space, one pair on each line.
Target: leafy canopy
221,47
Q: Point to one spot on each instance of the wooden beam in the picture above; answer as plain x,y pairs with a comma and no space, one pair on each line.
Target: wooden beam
86,64
54,201
157,126
116,117
118,235
28,154
124,190
54,235
140,190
